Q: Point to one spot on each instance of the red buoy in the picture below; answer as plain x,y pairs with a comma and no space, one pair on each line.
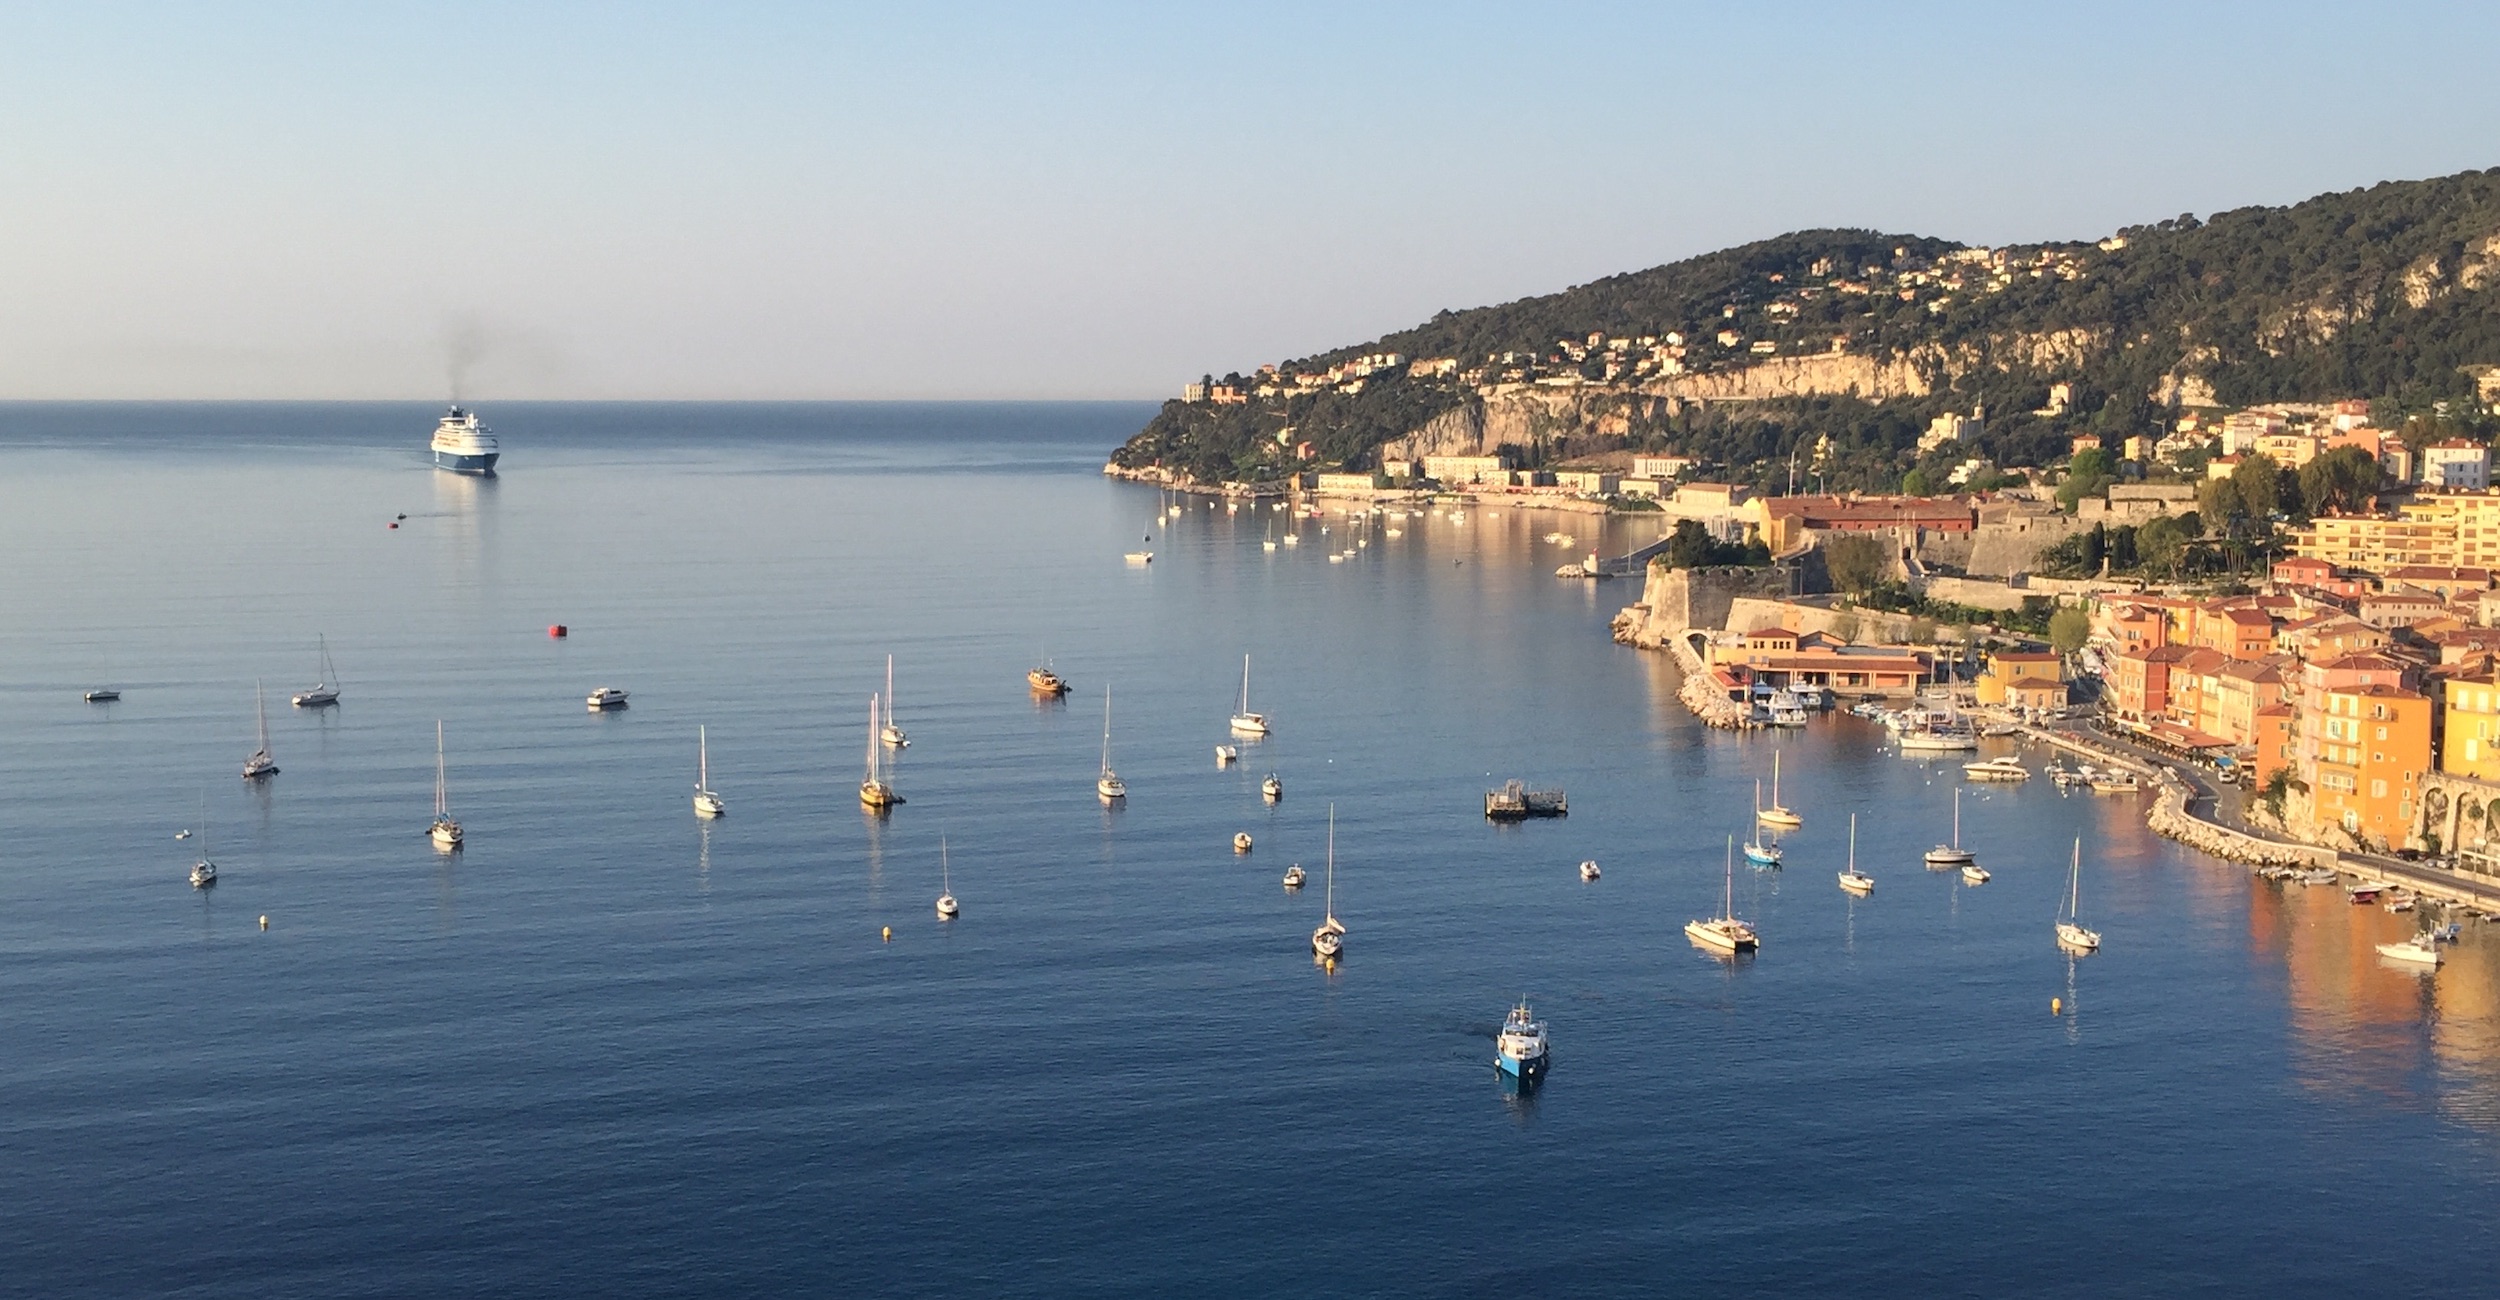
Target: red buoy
558,629
394,526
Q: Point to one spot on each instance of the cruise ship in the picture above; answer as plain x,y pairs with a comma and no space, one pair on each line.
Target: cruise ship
464,446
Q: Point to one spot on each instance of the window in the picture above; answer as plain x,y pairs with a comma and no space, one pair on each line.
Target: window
2378,789
2382,733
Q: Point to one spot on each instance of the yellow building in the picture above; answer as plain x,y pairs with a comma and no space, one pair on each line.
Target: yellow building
2437,528
2023,679
2470,733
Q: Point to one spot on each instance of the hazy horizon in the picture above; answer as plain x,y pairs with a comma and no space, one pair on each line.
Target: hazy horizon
771,203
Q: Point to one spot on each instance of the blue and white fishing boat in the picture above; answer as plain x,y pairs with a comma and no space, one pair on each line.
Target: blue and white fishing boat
464,446
1521,1050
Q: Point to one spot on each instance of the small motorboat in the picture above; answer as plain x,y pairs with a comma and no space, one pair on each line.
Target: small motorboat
1272,788
1293,876
1974,874
1045,682
2318,876
2399,900
2421,950
1140,559
203,874
606,697
101,695
1241,841
1226,754
1588,869
2115,782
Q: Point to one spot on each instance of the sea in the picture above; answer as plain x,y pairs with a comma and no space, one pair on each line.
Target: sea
609,1049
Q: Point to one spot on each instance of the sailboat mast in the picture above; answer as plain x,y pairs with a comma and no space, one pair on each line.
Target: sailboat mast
1727,906
260,706
702,759
1775,778
1957,817
872,737
1853,844
889,690
442,800
2074,883
1245,685
1332,862
1106,727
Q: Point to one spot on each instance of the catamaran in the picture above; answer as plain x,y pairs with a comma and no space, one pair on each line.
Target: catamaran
1108,785
260,764
1724,932
446,833
1945,857
706,803
874,791
891,734
2070,933
1777,814
325,691
1329,939
1244,721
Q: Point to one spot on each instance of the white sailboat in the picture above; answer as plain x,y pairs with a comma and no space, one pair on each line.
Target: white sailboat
203,872
1244,721
260,764
706,803
326,691
445,832
1328,941
874,791
946,906
1758,853
1945,857
1108,785
1852,879
890,733
1724,932
1777,814
2070,933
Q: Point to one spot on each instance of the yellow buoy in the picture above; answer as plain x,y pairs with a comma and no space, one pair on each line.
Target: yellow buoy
889,934
2056,1005
264,922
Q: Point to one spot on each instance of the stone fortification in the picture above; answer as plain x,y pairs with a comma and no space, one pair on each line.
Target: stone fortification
1675,599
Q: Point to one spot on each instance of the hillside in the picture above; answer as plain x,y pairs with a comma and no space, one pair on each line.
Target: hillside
1742,355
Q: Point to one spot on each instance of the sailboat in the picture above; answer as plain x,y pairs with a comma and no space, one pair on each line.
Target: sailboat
1756,852
1108,785
326,691
1778,814
1852,879
874,792
706,803
946,884
260,764
1945,857
203,872
2070,933
890,733
445,832
1244,720
1724,932
1329,939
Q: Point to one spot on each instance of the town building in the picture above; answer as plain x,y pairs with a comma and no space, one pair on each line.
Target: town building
2456,464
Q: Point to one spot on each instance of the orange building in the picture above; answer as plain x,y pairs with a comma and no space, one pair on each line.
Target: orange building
2023,679
2374,747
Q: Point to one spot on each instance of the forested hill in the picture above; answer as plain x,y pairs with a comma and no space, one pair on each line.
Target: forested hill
2390,293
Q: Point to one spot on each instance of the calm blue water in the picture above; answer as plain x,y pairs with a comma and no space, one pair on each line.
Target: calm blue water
607,1050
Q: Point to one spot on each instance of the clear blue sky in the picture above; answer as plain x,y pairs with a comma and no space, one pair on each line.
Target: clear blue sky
905,200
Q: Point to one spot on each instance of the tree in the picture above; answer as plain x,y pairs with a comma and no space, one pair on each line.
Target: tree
1915,483
2160,543
2086,475
2069,628
1858,563
2343,481
1689,547
2262,486
2219,503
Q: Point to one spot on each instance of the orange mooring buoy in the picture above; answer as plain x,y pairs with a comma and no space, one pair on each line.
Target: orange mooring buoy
394,526
558,630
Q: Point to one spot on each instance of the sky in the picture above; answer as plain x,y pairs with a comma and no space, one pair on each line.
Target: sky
799,201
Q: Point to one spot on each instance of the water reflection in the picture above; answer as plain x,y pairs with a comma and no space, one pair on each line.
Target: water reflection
2365,1025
